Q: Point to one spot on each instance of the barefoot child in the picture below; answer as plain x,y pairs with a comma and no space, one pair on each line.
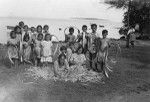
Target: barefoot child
46,46
37,49
26,49
70,38
13,48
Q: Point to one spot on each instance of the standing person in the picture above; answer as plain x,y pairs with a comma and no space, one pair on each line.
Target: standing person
33,34
13,48
46,50
39,30
91,44
131,30
70,38
132,38
37,49
26,49
45,30
21,25
82,38
26,32
18,32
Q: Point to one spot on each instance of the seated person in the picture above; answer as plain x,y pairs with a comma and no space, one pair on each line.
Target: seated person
61,66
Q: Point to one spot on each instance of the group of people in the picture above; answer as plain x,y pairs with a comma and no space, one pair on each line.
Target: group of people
34,45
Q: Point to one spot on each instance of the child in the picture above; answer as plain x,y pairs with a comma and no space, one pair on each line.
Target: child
61,67
39,29
26,49
37,49
63,50
46,46
70,37
33,34
82,38
132,38
26,32
45,30
13,46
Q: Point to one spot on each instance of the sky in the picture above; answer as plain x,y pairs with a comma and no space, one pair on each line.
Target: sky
59,9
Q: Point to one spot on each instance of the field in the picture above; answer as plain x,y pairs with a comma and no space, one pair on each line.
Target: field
129,82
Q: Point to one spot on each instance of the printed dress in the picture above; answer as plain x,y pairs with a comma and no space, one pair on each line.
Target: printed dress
77,69
46,51
62,71
26,51
13,49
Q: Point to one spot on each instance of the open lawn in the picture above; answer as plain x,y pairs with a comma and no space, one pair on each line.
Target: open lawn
129,82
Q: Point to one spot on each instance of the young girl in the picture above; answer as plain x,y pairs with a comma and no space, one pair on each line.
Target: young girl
46,50
26,32
26,49
39,29
37,49
61,67
45,30
13,48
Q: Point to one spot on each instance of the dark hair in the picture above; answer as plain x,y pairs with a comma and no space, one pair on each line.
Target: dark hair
71,29
12,32
15,29
45,26
47,35
79,47
84,26
60,56
25,26
25,37
21,22
92,25
63,48
40,34
104,31
39,26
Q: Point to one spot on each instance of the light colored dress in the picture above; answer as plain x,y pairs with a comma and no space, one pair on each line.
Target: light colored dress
63,70
13,49
46,51
26,51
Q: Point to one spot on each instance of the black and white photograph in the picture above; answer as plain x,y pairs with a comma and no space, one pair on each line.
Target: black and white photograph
74,50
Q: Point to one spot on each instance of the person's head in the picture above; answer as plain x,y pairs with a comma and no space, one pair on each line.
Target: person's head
26,28
84,28
17,30
12,35
63,49
40,37
94,27
32,29
39,29
79,50
26,38
47,37
61,59
71,30
21,24
46,28
104,33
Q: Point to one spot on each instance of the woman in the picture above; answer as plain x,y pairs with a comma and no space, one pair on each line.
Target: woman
77,61
61,67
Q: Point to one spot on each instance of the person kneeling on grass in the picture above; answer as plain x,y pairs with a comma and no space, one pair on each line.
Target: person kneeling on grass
13,48
61,67
46,47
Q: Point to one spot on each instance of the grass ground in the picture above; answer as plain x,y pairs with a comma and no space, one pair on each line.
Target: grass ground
130,82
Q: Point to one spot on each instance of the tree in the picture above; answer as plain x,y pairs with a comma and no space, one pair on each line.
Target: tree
138,11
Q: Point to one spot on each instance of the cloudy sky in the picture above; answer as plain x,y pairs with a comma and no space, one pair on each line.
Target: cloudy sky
59,9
